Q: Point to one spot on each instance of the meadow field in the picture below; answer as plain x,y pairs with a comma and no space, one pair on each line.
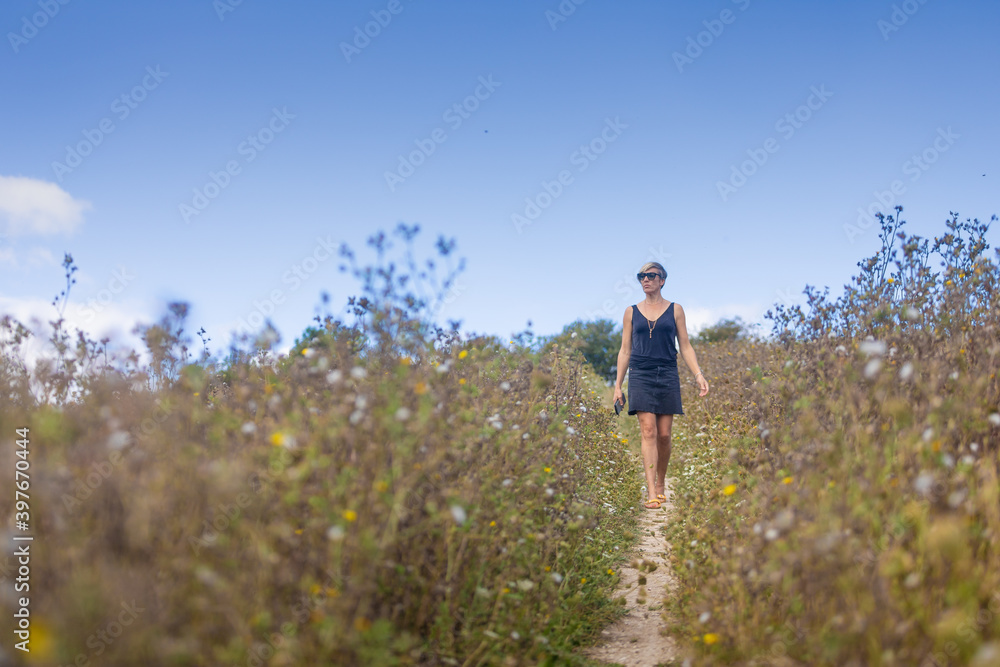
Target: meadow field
393,493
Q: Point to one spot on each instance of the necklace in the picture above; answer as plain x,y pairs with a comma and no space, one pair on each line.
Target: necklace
652,325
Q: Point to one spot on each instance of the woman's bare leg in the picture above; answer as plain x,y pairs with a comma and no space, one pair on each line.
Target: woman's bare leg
647,430
664,425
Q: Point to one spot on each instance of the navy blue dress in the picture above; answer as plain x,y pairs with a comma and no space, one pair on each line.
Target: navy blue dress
653,383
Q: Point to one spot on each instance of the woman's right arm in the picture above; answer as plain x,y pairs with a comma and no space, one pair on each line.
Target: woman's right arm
625,353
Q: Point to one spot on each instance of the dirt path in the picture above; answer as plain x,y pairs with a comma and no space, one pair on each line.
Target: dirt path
635,639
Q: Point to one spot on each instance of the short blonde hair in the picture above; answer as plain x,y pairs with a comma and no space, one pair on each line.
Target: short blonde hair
654,265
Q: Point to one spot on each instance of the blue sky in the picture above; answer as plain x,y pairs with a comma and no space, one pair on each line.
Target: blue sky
201,151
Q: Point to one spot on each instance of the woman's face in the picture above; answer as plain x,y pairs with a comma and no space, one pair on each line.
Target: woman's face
651,285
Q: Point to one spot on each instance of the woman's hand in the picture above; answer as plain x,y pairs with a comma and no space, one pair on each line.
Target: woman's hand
702,385
618,396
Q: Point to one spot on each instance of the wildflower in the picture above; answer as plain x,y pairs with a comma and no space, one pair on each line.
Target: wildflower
298,531
406,361
771,534
705,615
556,577
710,638
335,533
463,354
583,580
493,524
458,513
248,428
505,386
872,347
308,352
358,372
420,388
610,571
906,372
872,368
197,393
729,489
403,413
547,469
334,376
525,584
350,515
923,483
119,439
787,480
570,430
277,439
994,419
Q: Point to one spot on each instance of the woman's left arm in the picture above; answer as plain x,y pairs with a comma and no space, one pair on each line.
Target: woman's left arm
687,351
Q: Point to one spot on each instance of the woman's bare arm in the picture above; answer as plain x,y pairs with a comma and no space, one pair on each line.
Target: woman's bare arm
687,351
625,352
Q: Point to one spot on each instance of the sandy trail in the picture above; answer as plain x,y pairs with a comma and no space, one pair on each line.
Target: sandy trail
635,639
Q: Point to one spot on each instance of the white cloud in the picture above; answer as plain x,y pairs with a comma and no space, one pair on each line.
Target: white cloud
32,206
35,257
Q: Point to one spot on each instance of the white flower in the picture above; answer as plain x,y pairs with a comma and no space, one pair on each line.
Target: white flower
333,377
248,428
906,372
870,347
948,460
356,416
119,439
458,512
573,335
360,402
954,375
308,352
507,482
515,635
771,534
505,386
928,434
570,430
403,413
358,372
872,368
841,349
705,615
923,483
443,368
549,491
525,584
335,533
911,313
994,419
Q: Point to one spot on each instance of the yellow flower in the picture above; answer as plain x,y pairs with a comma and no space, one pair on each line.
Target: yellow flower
277,439
461,381
787,480
947,282
505,590
350,515
710,638
361,624
548,568
831,484
548,469
492,523
406,361
577,414
199,393
298,531
381,486
584,580
610,571
729,490
420,388
891,280
316,588
332,592
463,354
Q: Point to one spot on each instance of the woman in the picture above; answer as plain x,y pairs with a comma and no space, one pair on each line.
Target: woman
654,388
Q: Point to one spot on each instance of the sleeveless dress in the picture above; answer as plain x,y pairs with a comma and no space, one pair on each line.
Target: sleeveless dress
653,383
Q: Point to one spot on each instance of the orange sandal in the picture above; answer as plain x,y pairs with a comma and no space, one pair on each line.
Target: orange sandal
652,504
662,498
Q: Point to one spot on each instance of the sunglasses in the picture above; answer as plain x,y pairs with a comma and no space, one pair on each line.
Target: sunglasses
643,276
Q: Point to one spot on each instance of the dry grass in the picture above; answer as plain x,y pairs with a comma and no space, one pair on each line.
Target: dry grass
438,502
843,494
